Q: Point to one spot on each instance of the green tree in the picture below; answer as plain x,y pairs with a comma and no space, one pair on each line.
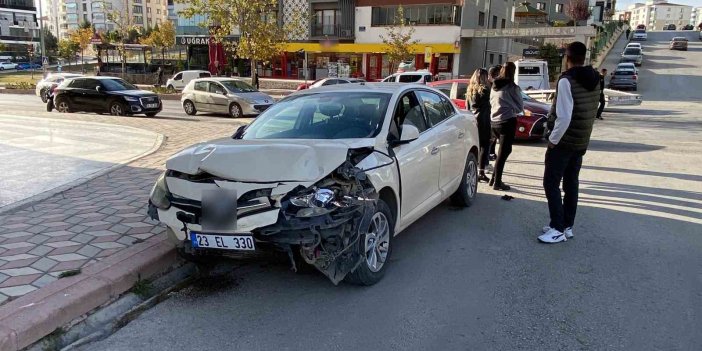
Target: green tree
549,53
261,36
398,39
578,10
124,29
50,41
67,49
86,25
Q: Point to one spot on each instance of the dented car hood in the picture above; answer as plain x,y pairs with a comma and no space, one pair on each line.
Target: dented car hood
265,160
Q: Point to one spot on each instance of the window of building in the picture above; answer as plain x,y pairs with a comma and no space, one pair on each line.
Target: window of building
559,8
504,23
138,20
481,18
494,22
85,7
541,6
499,59
158,11
492,59
325,22
85,17
418,15
137,9
148,10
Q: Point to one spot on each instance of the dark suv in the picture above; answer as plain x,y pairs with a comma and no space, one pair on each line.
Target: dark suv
105,95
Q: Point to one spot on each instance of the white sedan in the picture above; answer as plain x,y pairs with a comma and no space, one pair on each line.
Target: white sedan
328,175
7,65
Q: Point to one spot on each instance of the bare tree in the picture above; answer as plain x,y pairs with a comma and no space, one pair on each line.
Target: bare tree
398,39
578,10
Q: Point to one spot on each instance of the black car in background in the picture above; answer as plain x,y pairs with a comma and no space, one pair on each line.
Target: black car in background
105,95
669,27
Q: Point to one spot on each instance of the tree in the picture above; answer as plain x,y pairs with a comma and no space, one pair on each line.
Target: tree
82,37
86,25
67,49
578,10
260,35
162,38
124,28
398,39
50,41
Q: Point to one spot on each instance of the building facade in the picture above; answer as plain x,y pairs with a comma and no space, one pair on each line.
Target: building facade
18,26
70,14
657,14
696,17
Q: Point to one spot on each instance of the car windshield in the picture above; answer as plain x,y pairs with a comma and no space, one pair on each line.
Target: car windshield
329,115
632,51
117,85
237,86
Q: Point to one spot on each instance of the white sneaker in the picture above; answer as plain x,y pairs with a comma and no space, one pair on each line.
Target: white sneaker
552,236
568,231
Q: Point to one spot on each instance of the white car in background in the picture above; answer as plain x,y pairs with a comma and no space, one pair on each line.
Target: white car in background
418,77
52,80
634,45
326,175
639,34
626,66
7,65
181,79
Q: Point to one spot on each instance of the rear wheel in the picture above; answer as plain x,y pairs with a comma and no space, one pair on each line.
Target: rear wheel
118,109
189,107
62,105
376,245
465,194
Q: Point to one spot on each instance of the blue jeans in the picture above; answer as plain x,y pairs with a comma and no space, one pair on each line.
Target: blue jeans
562,164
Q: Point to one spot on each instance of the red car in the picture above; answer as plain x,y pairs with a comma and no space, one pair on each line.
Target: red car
530,126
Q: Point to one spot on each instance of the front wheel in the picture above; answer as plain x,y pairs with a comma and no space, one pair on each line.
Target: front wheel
465,194
376,245
235,110
118,109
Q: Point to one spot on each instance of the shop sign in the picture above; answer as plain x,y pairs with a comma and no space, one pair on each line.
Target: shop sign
198,39
531,53
427,54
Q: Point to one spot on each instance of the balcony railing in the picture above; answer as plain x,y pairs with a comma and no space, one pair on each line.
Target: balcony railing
331,30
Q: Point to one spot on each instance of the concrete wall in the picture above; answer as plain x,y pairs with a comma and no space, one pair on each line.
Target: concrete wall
425,34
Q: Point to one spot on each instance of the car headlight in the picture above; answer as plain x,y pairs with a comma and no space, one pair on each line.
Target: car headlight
159,193
131,99
314,204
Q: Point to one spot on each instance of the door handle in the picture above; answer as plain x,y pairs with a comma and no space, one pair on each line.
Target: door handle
461,135
435,150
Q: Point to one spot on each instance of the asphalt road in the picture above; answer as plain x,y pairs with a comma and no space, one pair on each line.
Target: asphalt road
476,279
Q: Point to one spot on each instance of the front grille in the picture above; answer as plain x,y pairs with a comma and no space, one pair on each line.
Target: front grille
261,108
148,100
246,205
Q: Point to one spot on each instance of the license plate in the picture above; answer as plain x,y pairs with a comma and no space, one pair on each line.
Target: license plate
224,242
151,105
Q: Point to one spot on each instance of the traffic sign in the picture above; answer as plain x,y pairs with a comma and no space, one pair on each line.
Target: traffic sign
45,61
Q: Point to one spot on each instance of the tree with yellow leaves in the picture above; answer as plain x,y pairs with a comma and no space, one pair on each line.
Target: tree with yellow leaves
81,37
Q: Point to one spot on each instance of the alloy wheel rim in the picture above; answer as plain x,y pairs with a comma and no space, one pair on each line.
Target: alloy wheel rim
62,106
235,111
188,107
377,242
472,178
116,110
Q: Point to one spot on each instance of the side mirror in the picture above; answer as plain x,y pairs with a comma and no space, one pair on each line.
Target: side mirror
98,89
409,134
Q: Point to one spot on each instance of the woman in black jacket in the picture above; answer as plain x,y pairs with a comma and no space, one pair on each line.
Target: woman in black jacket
479,101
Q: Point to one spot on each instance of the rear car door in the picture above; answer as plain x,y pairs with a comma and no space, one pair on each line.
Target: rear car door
418,160
449,130
220,101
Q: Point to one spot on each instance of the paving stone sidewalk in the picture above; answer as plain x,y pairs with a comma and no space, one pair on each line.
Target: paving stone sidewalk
96,219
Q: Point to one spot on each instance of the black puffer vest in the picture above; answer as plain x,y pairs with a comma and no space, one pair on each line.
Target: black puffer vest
584,82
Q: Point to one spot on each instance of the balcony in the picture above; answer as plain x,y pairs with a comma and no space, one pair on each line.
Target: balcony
321,31
18,4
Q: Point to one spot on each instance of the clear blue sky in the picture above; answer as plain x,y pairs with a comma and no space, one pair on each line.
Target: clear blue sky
623,4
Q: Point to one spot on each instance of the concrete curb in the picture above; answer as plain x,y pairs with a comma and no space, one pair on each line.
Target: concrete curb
51,192
31,317
18,91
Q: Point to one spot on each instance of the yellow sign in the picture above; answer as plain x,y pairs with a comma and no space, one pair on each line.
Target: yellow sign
444,48
427,54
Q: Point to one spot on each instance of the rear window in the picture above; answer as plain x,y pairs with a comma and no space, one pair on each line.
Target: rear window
526,70
624,73
632,51
205,75
640,31
679,39
410,78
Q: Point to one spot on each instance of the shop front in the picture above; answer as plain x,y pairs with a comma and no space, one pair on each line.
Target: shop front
204,54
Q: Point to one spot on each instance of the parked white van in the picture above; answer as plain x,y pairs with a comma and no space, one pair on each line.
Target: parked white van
532,74
181,79
421,76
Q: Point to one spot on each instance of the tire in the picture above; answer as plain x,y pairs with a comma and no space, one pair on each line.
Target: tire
371,271
189,108
170,87
465,194
151,114
62,105
2,68
43,96
636,89
235,110
117,108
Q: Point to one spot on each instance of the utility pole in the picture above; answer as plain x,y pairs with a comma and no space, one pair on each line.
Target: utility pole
41,36
487,26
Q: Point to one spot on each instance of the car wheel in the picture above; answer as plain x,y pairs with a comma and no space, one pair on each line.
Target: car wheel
62,106
43,94
189,108
235,110
377,247
151,114
170,87
118,109
2,68
465,194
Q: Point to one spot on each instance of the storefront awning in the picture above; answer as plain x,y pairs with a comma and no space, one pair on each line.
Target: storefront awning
368,48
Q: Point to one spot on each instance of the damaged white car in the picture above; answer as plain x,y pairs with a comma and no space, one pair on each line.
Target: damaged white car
327,175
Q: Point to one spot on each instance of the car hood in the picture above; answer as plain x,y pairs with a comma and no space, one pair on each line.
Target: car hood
256,96
265,161
537,107
141,93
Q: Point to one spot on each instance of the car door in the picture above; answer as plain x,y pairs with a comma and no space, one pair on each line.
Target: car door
418,161
94,100
200,95
220,101
80,94
449,130
178,82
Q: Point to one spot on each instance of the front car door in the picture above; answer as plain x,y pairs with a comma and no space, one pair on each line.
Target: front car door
200,95
220,101
449,128
178,83
83,94
419,160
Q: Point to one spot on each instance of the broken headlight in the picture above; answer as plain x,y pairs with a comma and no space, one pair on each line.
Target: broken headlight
316,203
159,193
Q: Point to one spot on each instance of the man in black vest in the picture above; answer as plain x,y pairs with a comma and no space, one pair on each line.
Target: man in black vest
570,121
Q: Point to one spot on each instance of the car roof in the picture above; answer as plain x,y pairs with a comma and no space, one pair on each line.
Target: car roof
387,88
99,77
217,79
446,81
194,71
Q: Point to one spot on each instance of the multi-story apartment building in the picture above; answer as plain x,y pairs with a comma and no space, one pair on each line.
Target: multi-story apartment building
659,13
141,13
696,17
18,25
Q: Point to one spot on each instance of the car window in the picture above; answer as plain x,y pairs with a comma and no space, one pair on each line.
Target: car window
201,86
409,111
178,76
410,78
428,78
216,88
632,51
343,81
640,31
434,107
331,82
444,88
237,86
117,85
76,83
204,75
329,115
390,79
624,73
461,91
533,70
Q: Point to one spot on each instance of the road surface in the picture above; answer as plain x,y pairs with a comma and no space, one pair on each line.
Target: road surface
476,279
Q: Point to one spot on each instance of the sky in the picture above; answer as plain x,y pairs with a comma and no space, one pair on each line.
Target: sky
623,4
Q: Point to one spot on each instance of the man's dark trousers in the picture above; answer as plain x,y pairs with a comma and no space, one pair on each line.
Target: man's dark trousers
600,109
562,164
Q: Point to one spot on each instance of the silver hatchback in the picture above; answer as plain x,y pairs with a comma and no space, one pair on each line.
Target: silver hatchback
224,95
